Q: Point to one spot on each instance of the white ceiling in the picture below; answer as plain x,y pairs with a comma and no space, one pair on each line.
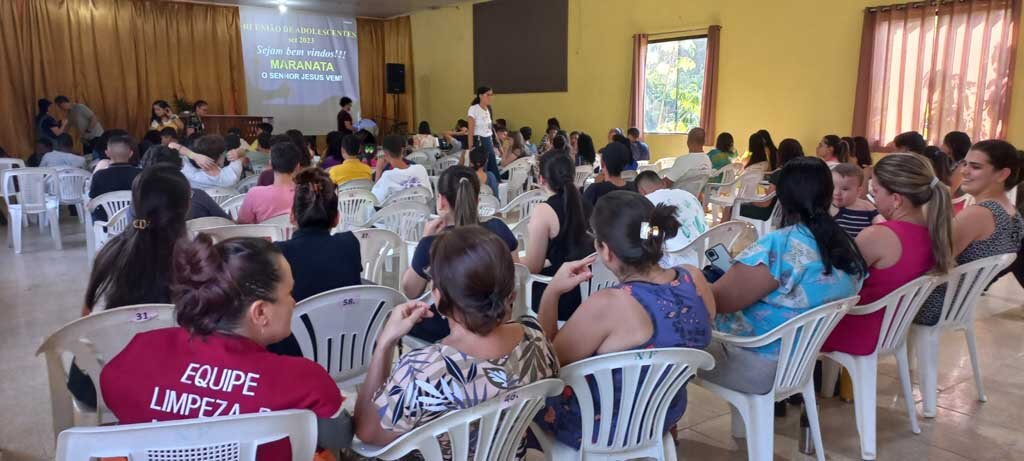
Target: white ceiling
367,8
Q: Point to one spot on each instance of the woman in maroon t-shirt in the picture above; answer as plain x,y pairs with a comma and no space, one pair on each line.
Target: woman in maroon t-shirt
232,299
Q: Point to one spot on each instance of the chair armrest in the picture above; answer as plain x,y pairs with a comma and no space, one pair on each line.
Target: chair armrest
869,308
540,279
746,342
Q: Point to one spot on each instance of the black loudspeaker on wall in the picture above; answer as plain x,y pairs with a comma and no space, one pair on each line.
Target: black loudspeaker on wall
396,78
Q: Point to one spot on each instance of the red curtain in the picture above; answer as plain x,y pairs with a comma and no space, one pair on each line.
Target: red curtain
710,96
637,86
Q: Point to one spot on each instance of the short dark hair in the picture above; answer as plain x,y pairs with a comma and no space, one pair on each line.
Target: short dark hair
473,270
959,144
724,142
633,131
264,138
159,154
210,145
63,141
394,144
232,141
345,100
424,128
266,127
912,141
647,177
526,132
350,145
553,122
316,200
124,140
615,157
61,99
284,157
169,132
43,105
235,131
1002,155
200,103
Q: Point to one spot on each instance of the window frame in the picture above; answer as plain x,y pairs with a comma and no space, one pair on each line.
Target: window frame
676,38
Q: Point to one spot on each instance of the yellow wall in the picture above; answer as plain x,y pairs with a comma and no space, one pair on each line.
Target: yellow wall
788,66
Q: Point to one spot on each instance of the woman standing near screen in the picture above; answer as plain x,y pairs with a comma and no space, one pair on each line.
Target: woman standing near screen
480,127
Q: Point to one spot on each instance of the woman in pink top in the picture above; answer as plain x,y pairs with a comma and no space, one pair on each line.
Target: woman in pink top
914,240
264,202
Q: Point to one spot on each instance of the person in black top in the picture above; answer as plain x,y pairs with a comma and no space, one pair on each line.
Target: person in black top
320,261
118,176
48,127
614,157
345,123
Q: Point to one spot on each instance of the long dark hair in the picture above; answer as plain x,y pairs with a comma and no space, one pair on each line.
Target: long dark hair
756,147
559,172
461,188
134,267
479,91
862,151
840,149
585,149
161,104
616,222
789,149
334,146
316,201
299,140
724,142
805,194
942,164
473,270
773,152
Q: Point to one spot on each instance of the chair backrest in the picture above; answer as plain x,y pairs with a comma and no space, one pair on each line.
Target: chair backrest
206,222
582,174
337,329
221,194
232,205
965,283
270,232
444,163
748,182
729,234
223,438
628,175
418,157
693,181
650,379
488,204
491,430
521,306
8,163
405,219
418,194
35,185
365,184
93,340
112,202
355,206
900,306
518,172
524,203
284,221
73,185
244,185
666,162
728,172
521,229
601,278
377,247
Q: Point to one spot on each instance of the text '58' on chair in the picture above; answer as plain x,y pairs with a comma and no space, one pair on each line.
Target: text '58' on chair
650,379
223,438
964,285
900,308
36,194
801,339
491,430
337,329
93,340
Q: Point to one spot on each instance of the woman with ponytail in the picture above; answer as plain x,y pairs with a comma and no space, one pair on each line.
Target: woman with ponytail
833,150
485,356
650,307
231,300
457,204
915,239
481,132
808,262
558,227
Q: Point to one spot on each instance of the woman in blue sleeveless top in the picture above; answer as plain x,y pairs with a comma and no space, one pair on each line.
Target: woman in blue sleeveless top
651,307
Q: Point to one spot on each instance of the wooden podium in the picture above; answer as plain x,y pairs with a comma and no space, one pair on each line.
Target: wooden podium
247,124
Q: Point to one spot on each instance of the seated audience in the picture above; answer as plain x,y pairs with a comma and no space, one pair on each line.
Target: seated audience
653,307
942,164
305,150
117,176
424,139
478,160
42,147
527,133
163,117
689,214
956,144
202,205
203,170
259,152
332,156
614,158
402,175
231,300
61,155
612,133
585,153
513,149
990,227
474,287
167,136
639,148
574,138
631,165
910,141
913,240
805,264
558,227
264,129
758,165
832,150
694,159
861,155
264,202
352,168
722,155
851,212
457,191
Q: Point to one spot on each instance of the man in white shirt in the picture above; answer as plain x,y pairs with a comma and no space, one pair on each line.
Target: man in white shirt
689,213
207,153
61,154
402,175
694,159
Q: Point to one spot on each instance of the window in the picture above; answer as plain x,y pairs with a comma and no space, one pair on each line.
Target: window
674,84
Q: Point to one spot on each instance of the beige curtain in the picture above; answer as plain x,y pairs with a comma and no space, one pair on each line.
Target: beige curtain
382,42
117,57
637,84
710,95
937,68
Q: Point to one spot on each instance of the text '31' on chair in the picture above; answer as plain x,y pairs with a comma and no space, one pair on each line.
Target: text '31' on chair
491,430
36,194
93,340
964,285
800,340
223,438
900,308
337,328
650,379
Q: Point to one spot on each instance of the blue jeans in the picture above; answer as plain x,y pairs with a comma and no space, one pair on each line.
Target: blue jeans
488,145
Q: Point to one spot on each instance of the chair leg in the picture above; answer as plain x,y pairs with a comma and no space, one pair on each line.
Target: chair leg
903,364
865,384
669,446
973,349
829,375
80,209
737,420
54,218
760,427
926,344
15,229
811,407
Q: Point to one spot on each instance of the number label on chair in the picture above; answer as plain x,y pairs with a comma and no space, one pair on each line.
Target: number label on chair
145,316
509,399
644,355
349,301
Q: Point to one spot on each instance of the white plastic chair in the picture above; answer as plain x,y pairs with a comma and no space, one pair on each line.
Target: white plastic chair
763,227
244,185
521,306
491,430
583,173
692,181
36,194
364,184
801,338
337,329
964,285
224,438
221,194
198,224
651,378
488,204
444,163
111,202
74,189
405,219
900,308
93,340
518,171
665,163
413,194
728,234
270,232
523,204
284,221
377,248
106,230
355,206
232,205
601,278
418,157
722,194
629,175
7,164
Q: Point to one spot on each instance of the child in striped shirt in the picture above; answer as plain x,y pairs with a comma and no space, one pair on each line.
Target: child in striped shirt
851,212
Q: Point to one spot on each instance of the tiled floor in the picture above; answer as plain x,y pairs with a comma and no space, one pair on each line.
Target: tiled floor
41,289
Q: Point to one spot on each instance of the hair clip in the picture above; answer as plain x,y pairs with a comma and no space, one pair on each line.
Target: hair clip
314,187
935,182
648,231
140,224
